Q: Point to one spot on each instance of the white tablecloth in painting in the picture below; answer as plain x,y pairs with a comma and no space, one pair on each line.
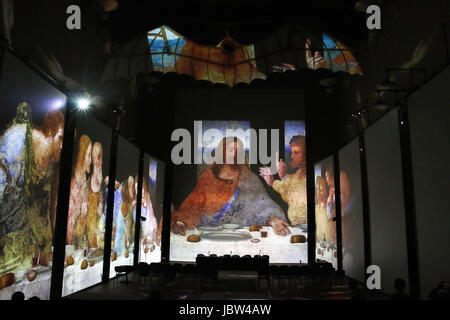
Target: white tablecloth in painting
39,287
278,248
329,254
75,278
151,256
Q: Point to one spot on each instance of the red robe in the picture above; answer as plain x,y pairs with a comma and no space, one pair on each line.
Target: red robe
209,196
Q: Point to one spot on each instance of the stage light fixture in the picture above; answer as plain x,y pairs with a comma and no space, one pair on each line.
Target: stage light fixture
83,103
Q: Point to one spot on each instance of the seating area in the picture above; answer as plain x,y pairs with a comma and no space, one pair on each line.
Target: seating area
202,281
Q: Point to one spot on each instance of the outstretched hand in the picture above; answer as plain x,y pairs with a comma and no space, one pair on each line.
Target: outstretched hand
283,67
280,227
317,61
265,173
178,228
281,168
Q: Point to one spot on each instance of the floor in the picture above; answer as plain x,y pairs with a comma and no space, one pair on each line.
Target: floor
189,288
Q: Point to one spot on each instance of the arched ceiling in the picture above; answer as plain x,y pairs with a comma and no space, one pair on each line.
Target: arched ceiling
289,47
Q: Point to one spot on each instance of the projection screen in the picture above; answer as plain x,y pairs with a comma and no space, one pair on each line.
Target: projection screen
429,130
31,133
352,211
386,199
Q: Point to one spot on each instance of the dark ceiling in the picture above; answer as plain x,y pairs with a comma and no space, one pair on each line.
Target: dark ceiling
206,21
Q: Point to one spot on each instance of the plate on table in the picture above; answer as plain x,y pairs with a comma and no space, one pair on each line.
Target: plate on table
206,228
225,236
96,255
231,226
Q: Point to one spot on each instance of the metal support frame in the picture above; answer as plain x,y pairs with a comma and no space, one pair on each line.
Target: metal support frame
110,202
365,201
337,204
65,173
310,193
165,234
409,202
137,229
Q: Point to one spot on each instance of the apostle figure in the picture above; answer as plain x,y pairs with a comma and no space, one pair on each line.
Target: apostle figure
292,188
96,188
78,204
29,157
228,192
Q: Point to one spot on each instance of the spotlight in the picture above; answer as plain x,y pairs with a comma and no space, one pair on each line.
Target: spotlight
83,103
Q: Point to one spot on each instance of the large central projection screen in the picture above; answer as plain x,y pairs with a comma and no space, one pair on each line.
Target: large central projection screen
386,201
235,204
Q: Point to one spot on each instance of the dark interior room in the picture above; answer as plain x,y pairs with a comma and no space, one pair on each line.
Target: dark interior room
237,124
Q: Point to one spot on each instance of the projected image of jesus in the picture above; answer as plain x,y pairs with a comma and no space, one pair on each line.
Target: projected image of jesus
228,192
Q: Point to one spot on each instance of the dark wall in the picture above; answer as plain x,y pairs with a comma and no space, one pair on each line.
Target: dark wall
43,22
413,34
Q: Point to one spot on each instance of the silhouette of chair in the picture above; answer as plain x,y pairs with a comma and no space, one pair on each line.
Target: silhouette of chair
143,271
123,270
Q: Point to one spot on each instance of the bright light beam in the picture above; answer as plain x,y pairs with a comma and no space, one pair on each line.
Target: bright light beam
83,103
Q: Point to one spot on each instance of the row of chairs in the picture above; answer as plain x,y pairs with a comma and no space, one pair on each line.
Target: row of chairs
323,275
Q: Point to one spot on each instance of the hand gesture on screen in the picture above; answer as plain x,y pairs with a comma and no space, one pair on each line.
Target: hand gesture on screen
314,62
279,226
330,199
283,67
281,168
178,227
265,173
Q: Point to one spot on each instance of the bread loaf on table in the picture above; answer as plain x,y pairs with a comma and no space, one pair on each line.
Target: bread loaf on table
7,279
298,239
70,260
84,264
193,238
254,228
